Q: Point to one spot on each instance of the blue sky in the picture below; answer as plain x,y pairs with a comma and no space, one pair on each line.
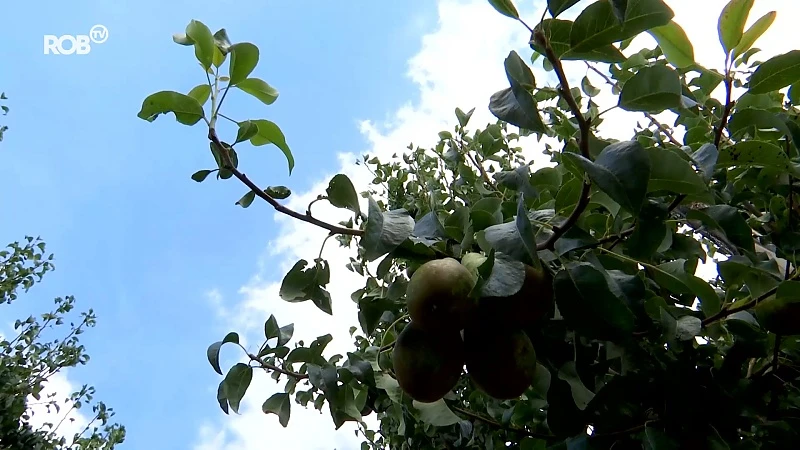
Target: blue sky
134,237
170,265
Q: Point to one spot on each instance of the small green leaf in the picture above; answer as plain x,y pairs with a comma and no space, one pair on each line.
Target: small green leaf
201,93
556,7
598,24
526,232
486,212
385,231
776,73
278,192
244,58
558,32
342,193
505,7
437,413
221,399
213,356
259,89
463,118
231,338
270,133
188,110
729,221
182,39
236,383
301,284
730,25
246,199
582,396
517,107
518,179
653,89
200,175
753,33
222,41
706,159
688,327
588,88
285,334
586,302
280,405
247,129
506,276
622,171
203,40
271,328
674,43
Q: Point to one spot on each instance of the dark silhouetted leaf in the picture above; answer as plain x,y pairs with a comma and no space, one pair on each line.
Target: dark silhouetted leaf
653,89
279,404
342,193
236,383
385,231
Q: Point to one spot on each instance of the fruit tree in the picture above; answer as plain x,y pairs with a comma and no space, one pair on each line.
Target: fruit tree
512,306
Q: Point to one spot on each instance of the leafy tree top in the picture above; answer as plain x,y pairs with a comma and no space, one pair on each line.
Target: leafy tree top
582,274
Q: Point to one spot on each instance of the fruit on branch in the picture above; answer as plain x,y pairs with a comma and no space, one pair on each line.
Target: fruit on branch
500,361
438,295
533,301
427,364
780,315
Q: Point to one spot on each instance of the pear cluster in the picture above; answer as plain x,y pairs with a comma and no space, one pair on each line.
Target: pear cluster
451,329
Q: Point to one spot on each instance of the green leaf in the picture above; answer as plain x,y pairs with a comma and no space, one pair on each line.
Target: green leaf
755,153
236,383
247,199
753,33
222,41
271,328
505,7
301,284
588,88
486,212
776,73
247,129
188,110
342,193
213,356
280,405
285,334
729,221
437,413
670,172
244,58
385,231
278,192
200,175
506,277
526,233
598,25
674,43
558,32
622,171
794,94
517,107
586,302
556,7
730,25
223,402
518,72
688,327
582,396
655,439
463,118
270,133
653,89
231,338
259,89
182,39
518,179
203,41
201,93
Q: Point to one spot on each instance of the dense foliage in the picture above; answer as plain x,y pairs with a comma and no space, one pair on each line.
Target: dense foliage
631,349
28,361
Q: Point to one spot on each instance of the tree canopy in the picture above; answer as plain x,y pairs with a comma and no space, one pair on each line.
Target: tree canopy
511,306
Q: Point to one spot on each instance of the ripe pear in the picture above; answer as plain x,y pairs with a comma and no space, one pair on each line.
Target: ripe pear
427,364
523,309
779,315
500,361
438,295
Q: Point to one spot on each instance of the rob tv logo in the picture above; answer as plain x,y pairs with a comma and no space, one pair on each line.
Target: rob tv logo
80,44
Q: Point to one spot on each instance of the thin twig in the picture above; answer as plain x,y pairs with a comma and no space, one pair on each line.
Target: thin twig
266,365
585,129
228,165
480,168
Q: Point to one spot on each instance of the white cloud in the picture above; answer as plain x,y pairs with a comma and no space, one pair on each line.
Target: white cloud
459,65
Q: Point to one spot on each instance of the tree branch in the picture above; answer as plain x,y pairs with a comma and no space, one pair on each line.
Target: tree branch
266,365
499,425
308,218
583,143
